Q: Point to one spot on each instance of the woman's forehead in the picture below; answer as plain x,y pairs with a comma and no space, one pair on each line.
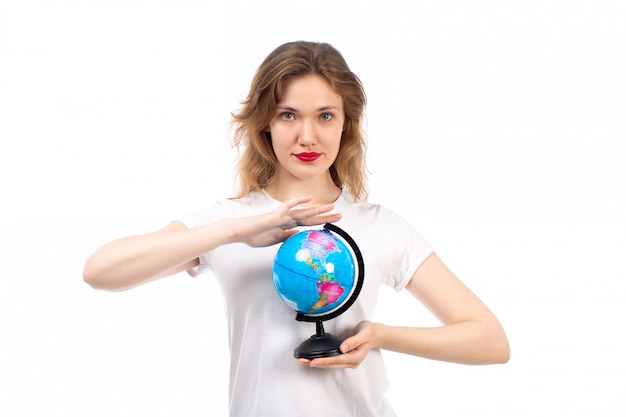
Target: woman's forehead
309,92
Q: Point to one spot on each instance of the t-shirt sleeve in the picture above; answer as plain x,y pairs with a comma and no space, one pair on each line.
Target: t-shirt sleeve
407,248
199,218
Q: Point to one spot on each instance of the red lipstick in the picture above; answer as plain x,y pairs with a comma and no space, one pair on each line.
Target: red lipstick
307,156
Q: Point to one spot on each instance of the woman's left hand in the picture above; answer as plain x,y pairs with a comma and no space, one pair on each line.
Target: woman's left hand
354,350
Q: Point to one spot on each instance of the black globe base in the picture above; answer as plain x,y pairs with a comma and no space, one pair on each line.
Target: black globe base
320,345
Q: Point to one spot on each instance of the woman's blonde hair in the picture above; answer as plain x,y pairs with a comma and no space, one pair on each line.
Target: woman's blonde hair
257,163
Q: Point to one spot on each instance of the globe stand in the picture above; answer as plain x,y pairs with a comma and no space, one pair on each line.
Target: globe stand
320,345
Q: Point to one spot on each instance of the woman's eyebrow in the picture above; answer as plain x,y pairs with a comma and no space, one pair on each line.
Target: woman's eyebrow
329,107
285,107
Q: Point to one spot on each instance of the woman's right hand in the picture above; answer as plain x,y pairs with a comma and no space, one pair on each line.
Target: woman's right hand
275,227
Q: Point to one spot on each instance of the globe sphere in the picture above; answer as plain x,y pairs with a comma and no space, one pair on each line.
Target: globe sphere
314,272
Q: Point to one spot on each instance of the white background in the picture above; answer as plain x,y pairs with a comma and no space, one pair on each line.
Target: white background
496,127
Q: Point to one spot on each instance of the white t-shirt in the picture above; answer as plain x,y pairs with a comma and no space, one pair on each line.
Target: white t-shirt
265,378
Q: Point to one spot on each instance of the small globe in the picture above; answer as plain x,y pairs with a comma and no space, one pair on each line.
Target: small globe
314,272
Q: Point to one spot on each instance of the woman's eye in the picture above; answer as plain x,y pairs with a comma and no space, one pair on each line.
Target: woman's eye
286,116
326,117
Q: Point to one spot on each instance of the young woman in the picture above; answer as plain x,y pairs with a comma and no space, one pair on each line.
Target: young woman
302,164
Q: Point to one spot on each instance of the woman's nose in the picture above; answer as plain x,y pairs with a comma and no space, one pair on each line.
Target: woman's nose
307,134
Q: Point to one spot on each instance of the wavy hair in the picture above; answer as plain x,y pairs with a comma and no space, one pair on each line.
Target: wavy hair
257,162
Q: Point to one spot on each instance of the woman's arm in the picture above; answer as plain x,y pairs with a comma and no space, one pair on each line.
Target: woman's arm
470,333
128,262
131,261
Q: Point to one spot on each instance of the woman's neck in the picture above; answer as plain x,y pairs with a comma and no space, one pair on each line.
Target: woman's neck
323,190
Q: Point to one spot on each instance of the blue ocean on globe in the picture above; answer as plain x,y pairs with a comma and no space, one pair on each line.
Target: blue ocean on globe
314,272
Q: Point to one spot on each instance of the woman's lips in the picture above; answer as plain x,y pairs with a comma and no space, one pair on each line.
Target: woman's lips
307,156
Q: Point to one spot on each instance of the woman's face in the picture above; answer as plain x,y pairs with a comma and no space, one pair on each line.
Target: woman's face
306,128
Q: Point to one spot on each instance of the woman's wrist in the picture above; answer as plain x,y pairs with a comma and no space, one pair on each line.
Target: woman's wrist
378,335
230,230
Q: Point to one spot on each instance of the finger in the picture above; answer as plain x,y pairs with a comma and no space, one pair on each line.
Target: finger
289,204
362,339
312,221
351,343
353,352
301,214
336,362
321,364
286,235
